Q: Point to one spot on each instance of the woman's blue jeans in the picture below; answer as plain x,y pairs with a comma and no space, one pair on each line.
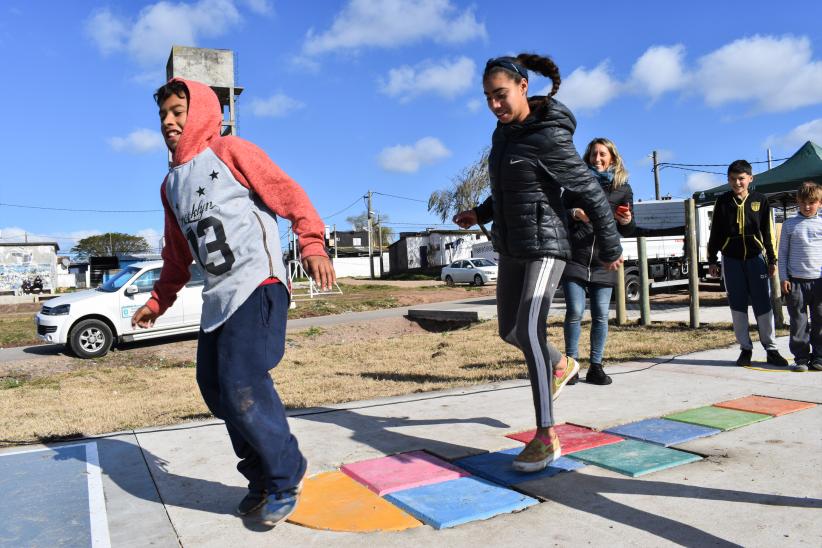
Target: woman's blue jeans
575,306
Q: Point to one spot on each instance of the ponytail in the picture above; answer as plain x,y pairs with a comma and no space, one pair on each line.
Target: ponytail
541,65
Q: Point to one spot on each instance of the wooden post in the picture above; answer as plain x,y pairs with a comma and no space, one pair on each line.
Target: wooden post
776,286
644,297
621,313
692,257
370,242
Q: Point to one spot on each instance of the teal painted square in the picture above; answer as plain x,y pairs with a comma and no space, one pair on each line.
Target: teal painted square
459,501
634,458
718,417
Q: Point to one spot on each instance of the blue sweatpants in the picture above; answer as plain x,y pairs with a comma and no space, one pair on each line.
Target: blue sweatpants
232,372
747,281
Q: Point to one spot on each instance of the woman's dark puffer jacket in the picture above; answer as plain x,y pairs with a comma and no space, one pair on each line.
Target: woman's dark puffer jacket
529,165
584,265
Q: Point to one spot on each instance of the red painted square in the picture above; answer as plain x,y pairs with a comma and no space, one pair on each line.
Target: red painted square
572,438
398,472
765,405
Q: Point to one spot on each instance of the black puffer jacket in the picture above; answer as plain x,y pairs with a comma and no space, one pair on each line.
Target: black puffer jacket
529,164
584,265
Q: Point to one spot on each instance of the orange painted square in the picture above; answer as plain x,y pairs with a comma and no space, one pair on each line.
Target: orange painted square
765,405
335,502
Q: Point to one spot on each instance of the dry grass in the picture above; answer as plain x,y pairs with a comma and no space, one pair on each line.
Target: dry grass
130,389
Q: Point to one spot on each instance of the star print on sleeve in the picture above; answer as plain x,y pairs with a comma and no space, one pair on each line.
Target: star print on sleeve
200,191
214,175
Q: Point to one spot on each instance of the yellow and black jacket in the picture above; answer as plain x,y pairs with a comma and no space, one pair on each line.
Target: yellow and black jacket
742,229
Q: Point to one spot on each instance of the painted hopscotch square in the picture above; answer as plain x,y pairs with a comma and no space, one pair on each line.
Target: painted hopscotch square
572,438
635,458
663,431
496,467
334,502
459,501
718,417
765,405
403,471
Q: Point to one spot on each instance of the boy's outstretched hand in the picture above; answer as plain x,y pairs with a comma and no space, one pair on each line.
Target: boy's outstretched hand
144,317
465,219
321,270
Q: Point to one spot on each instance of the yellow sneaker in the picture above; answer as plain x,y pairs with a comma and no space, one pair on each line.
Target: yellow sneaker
538,454
570,370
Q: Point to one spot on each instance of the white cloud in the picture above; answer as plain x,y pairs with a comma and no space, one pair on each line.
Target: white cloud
138,141
776,74
409,158
795,138
153,238
65,240
700,181
445,78
149,38
588,89
260,7
391,23
659,70
474,105
276,106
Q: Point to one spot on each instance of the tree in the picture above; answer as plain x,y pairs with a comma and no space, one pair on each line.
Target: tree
360,223
109,244
467,189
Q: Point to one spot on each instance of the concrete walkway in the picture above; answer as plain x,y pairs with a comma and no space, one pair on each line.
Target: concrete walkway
758,486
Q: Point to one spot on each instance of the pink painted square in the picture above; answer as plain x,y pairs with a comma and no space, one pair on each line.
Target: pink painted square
572,438
398,472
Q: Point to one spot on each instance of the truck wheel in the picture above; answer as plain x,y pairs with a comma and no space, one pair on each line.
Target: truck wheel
90,339
632,288
478,280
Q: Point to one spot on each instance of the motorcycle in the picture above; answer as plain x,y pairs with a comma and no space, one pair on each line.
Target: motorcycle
32,286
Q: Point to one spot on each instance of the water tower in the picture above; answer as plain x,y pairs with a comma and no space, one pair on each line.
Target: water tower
213,67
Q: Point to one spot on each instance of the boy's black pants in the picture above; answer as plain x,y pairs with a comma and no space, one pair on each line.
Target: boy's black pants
232,372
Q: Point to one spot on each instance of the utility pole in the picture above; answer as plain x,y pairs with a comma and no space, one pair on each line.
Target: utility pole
110,245
379,245
336,244
776,285
370,243
656,176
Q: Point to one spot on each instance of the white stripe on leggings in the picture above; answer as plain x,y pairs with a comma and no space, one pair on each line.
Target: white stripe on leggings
533,321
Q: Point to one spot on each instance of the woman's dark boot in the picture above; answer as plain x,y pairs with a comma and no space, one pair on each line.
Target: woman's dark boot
596,375
574,379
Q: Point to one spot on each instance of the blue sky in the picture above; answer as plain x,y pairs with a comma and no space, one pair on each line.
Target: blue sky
353,95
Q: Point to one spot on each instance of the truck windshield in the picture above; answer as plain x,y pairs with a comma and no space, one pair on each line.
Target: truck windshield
119,280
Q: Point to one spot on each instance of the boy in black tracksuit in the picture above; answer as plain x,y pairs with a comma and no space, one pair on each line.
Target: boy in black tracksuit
742,229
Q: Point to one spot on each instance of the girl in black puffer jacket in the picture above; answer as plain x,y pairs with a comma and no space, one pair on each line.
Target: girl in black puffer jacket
583,272
532,159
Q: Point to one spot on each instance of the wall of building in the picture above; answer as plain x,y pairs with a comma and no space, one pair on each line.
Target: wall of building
26,261
350,267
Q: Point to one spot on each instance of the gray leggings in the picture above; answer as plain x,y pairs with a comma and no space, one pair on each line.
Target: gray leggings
525,289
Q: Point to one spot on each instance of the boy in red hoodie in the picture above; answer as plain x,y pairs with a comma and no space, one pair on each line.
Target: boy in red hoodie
221,197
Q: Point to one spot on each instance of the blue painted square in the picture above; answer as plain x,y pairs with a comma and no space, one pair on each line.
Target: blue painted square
497,467
663,431
635,458
459,501
45,495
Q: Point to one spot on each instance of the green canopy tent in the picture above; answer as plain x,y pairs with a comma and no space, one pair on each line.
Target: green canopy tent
780,183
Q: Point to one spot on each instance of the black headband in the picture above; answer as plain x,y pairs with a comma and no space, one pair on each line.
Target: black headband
508,64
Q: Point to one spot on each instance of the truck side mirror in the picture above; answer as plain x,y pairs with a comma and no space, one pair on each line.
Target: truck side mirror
132,290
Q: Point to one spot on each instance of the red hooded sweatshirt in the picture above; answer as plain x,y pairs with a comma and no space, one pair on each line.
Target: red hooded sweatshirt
250,167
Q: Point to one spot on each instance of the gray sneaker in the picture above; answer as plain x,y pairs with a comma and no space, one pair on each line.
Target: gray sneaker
816,363
799,367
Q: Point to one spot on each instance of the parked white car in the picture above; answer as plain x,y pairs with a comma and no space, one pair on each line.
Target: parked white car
91,322
474,271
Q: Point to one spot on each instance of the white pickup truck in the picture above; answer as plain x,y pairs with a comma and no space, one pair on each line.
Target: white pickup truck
91,322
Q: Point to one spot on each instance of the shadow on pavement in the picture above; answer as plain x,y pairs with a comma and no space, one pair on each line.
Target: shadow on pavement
588,493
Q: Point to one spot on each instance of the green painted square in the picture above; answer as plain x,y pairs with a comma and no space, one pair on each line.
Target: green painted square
718,417
634,458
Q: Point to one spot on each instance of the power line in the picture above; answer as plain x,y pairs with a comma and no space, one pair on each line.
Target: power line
400,197
343,210
691,169
675,164
83,210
